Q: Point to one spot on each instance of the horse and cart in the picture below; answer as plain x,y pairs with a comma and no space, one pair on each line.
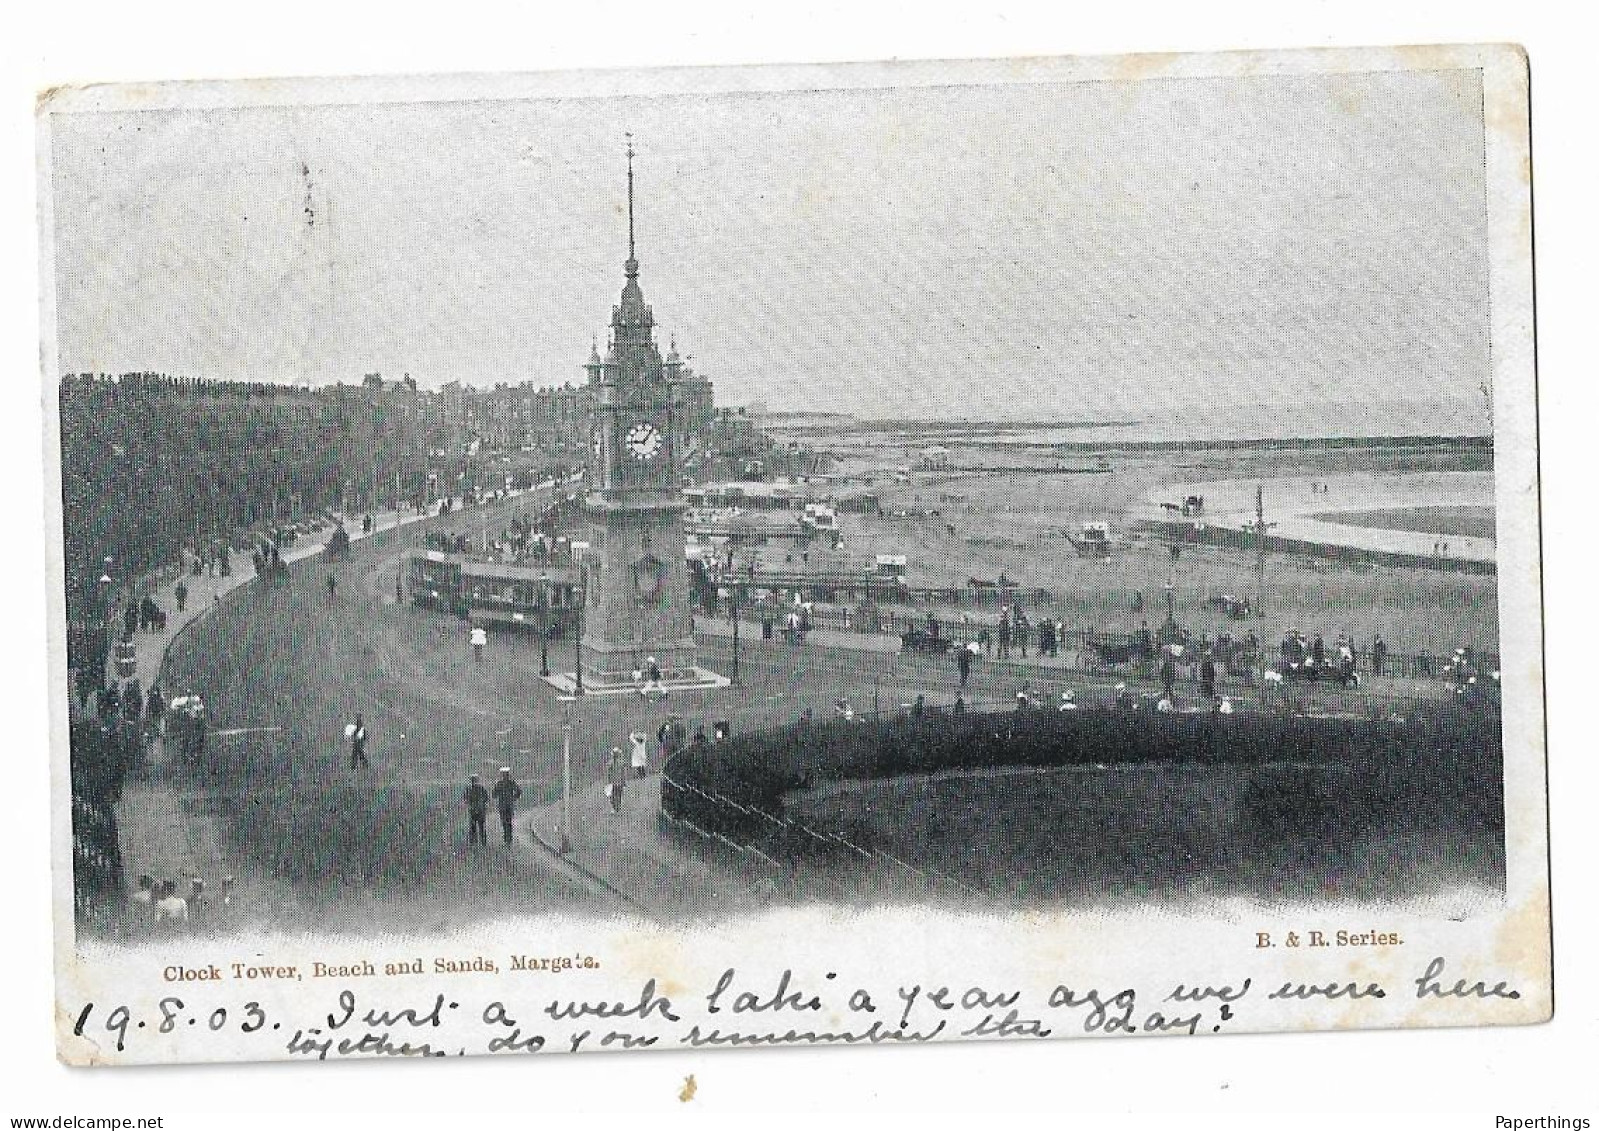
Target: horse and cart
1234,608
1238,658
1298,660
928,639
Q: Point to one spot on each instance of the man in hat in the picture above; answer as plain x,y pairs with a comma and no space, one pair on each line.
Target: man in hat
480,640
651,679
356,732
477,811
639,754
963,661
1124,698
616,775
506,792
198,904
142,902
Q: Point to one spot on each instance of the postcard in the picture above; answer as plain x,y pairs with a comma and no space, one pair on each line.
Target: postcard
810,556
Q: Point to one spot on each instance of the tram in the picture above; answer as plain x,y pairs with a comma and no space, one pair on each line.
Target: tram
513,595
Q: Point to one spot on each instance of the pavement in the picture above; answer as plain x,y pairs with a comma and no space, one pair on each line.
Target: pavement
632,853
168,830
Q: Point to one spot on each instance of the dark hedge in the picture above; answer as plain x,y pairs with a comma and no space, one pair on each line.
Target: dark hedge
1449,755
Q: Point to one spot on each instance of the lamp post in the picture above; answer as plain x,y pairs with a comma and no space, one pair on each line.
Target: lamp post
566,772
544,624
582,600
1171,614
733,604
877,679
101,643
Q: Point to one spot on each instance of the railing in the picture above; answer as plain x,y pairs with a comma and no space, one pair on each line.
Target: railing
777,842
1074,647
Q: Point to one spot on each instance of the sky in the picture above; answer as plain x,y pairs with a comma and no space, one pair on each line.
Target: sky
1095,250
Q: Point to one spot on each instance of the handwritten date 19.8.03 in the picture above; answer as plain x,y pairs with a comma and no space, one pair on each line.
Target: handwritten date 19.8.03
248,1018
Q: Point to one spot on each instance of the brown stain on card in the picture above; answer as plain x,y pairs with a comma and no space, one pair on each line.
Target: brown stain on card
1522,949
1136,68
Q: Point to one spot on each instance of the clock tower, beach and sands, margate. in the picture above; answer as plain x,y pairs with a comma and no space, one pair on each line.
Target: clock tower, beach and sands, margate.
637,610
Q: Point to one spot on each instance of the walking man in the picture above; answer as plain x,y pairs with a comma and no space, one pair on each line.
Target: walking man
477,811
618,777
652,678
357,734
479,639
333,585
1379,653
181,594
963,661
506,794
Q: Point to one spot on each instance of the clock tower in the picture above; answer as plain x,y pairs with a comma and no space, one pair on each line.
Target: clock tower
635,576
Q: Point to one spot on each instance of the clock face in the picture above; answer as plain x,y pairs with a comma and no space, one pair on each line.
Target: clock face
643,440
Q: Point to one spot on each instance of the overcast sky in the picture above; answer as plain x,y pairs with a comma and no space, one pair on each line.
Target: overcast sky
1035,251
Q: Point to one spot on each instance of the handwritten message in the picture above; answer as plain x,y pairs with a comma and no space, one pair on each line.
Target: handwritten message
738,1008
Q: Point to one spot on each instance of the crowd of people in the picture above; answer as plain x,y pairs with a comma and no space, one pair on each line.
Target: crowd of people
170,907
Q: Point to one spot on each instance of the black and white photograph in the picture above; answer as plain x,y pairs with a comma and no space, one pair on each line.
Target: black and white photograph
695,532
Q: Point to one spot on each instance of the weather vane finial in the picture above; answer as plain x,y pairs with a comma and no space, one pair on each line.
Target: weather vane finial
630,256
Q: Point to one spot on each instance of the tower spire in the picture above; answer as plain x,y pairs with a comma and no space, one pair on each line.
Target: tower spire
632,260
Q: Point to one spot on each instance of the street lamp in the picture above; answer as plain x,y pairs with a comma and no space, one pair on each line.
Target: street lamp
566,772
101,644
577,641
544,624
1171,614
733,605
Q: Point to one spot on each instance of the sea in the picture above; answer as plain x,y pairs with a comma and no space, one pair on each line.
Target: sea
1311,420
